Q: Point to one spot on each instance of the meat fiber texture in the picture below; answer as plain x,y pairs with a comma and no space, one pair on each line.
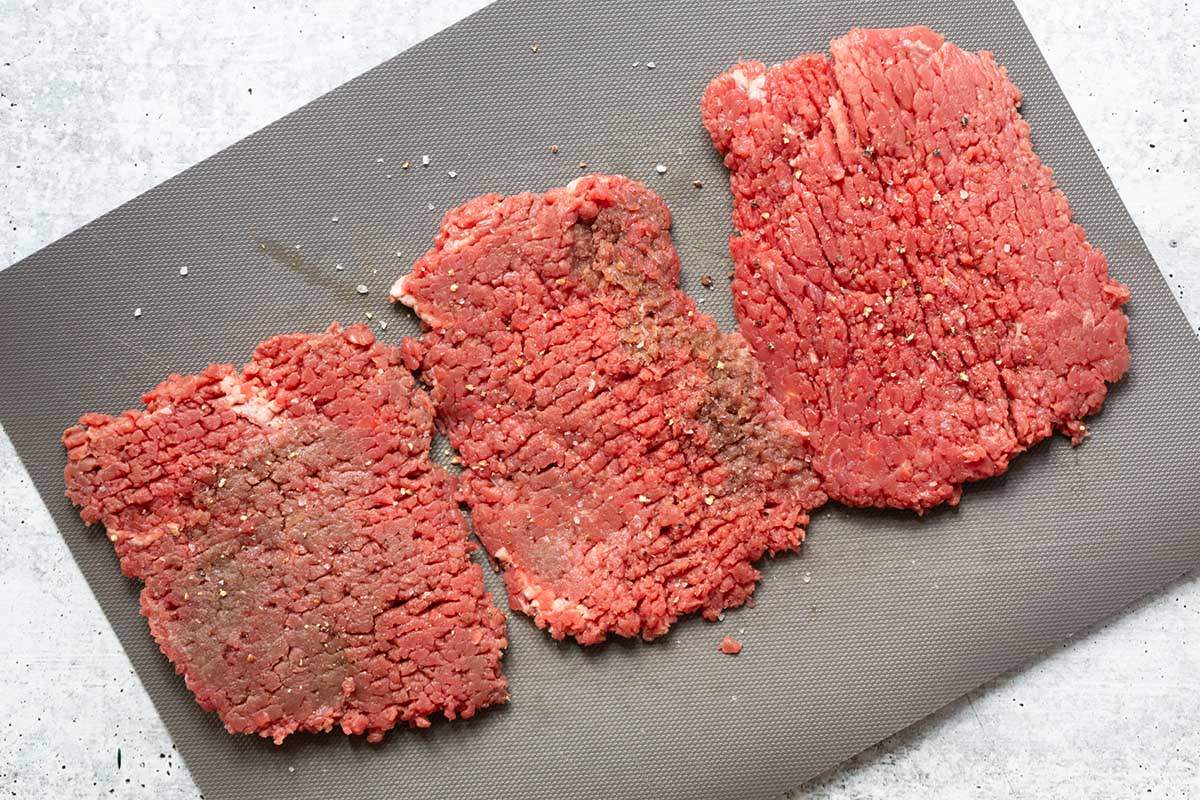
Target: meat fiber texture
622,459
906,270
305,564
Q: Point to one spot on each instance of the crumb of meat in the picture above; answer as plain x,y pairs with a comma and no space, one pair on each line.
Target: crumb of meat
305,564
730,646
906,269
624,462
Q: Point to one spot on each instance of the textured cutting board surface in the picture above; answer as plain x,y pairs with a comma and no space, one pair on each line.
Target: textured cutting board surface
883,618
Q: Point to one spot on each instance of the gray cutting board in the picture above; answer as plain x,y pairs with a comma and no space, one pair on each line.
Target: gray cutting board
883,619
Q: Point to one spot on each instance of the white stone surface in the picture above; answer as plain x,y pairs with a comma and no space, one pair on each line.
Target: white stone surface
101,101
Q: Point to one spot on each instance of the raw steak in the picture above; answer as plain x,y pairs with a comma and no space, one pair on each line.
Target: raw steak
305,563
906,270
623,460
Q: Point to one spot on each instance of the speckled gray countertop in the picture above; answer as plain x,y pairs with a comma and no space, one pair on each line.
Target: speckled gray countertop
101,101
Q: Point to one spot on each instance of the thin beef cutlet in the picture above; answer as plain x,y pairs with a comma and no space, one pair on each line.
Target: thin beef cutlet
906,270
622,459
305,564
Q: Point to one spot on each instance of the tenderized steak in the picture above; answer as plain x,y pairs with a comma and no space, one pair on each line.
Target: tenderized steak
305,563
905,268
623,460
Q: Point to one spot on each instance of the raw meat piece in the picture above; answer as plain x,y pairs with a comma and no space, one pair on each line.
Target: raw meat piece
623,460
906,270
305,563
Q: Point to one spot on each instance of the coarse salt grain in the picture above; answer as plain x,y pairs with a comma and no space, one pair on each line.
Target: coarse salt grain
361,289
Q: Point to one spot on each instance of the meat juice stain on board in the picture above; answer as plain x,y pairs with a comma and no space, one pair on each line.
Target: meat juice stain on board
290,258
